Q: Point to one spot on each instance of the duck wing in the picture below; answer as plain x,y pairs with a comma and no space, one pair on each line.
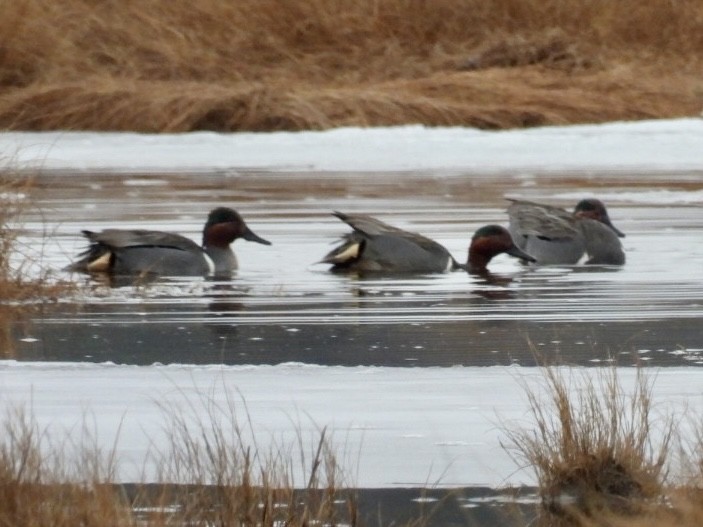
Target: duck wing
116,239
131,251
368,227
543,221
376,246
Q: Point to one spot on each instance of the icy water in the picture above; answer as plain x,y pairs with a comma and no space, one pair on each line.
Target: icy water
282,306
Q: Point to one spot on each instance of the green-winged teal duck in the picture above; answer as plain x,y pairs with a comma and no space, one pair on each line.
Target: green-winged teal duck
129,252
374,246
554,236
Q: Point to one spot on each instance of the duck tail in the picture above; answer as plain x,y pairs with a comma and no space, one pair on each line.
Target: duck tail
96,258
346,253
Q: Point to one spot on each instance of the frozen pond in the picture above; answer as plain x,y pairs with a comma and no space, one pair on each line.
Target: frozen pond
282,306
369,356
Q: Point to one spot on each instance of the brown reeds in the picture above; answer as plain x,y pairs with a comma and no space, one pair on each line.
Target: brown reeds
40,484
172,65
18,283
12,198
222,477
601,454
25,284
210,472
681,500
593,447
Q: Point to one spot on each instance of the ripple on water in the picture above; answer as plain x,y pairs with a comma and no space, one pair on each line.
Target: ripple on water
284,306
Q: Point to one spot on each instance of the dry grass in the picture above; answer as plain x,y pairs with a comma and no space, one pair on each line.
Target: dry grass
172,65
25,284
19,283
684,508
601,454
38,487
594,449
209,472
209,475
224,478
593,442
13,194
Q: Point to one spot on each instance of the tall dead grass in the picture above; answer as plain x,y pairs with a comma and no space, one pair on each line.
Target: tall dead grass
25,285
681,503
595,448
599,455
209,473
17,283
173,65
224,478
602,453
40,485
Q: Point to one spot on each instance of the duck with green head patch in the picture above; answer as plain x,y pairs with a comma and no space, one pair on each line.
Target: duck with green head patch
554,236
139,251
376,247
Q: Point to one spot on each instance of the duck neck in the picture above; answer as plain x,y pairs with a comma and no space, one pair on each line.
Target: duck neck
220,235
478,260
223,258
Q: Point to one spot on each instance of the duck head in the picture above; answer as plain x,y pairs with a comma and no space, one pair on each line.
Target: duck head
595,210
490,241
224,225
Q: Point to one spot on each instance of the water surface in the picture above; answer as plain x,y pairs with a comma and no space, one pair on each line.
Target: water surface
282,306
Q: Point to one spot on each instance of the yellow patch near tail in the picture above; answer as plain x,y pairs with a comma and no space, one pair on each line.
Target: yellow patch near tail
349,253
100,264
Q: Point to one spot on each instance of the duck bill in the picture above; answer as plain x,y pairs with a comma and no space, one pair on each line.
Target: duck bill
519,253
250,236
615,229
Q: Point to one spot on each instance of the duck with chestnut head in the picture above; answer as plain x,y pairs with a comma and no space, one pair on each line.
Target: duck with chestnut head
554,236
139,251
376,247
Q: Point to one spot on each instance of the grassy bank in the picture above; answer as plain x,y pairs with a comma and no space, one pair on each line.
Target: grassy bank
601,453
209,475
172,65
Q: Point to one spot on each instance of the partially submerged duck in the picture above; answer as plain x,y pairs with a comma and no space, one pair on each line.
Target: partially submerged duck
138,251
375,246
554,236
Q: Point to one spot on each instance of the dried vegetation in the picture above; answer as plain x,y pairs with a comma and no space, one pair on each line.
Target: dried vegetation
25,284
600,451
209,474
601,454
175,65
17,283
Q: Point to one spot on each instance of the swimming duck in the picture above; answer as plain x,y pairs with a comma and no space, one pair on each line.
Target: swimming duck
375,246
128,252
554,236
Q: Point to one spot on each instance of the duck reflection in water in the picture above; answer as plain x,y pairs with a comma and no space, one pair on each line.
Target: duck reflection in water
225,307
